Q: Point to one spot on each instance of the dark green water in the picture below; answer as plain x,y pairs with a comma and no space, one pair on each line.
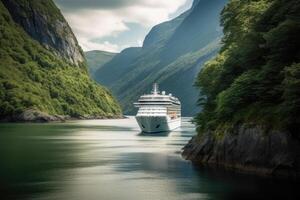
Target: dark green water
110,160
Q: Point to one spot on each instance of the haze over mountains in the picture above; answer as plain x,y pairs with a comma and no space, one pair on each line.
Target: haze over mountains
172,54
96,59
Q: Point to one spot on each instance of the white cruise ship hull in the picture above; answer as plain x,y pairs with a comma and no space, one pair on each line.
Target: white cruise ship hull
156,124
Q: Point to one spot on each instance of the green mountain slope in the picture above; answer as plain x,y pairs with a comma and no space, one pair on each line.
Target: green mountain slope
42,67
115,69
166,58
96,59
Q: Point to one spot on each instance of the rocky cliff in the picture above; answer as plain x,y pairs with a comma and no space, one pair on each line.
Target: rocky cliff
43,21
247,149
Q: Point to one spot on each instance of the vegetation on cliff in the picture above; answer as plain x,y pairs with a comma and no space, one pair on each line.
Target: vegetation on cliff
35,77
255,79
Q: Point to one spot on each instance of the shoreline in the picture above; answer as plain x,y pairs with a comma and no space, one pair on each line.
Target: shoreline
67,119
35,116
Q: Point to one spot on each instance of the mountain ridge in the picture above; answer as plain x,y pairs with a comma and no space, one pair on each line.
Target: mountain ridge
146,64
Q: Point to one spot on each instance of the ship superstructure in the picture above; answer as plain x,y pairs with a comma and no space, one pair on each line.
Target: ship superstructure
158,112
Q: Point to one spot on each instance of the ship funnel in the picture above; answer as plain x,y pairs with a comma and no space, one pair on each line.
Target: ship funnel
155,89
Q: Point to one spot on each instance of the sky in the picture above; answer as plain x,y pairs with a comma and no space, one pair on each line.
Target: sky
113,25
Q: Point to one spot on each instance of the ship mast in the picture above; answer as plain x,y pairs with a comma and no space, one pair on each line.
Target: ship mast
155,90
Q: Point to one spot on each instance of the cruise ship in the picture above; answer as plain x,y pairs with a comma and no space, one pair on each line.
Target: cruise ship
158,112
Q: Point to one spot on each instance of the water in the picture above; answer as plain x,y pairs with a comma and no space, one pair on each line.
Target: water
111,160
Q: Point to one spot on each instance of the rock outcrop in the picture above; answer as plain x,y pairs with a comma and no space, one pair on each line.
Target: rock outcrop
32,115
47,26
248,150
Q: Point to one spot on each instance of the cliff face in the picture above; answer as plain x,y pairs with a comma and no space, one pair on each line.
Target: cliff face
172,54
43,74
43,21
248,149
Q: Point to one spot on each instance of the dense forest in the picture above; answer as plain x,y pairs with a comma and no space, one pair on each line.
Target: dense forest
34,75
255,78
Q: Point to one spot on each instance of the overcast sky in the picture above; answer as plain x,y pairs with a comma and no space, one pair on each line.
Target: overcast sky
113,25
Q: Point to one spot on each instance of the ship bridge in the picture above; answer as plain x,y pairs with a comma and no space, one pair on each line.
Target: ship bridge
157,98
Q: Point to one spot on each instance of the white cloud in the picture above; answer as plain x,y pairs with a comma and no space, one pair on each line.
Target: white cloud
91,24
106,46
139,42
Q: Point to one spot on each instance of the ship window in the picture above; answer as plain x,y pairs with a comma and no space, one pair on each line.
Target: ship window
158,126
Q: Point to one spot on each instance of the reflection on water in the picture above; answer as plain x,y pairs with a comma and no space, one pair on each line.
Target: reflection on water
111,159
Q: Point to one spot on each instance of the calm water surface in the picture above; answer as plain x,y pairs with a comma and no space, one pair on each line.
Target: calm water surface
110,159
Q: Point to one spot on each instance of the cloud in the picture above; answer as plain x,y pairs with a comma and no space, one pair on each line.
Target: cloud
93,20
109,4
95,4
106,45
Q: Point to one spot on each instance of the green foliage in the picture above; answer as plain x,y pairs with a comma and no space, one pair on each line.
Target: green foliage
291,95
255,78
33,77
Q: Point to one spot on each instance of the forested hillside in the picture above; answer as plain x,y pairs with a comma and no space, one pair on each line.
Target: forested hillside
42,68
172,55
250,93
256,76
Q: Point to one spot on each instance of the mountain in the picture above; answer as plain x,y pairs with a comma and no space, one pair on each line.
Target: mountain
43,72
96,59
250,92
172,54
